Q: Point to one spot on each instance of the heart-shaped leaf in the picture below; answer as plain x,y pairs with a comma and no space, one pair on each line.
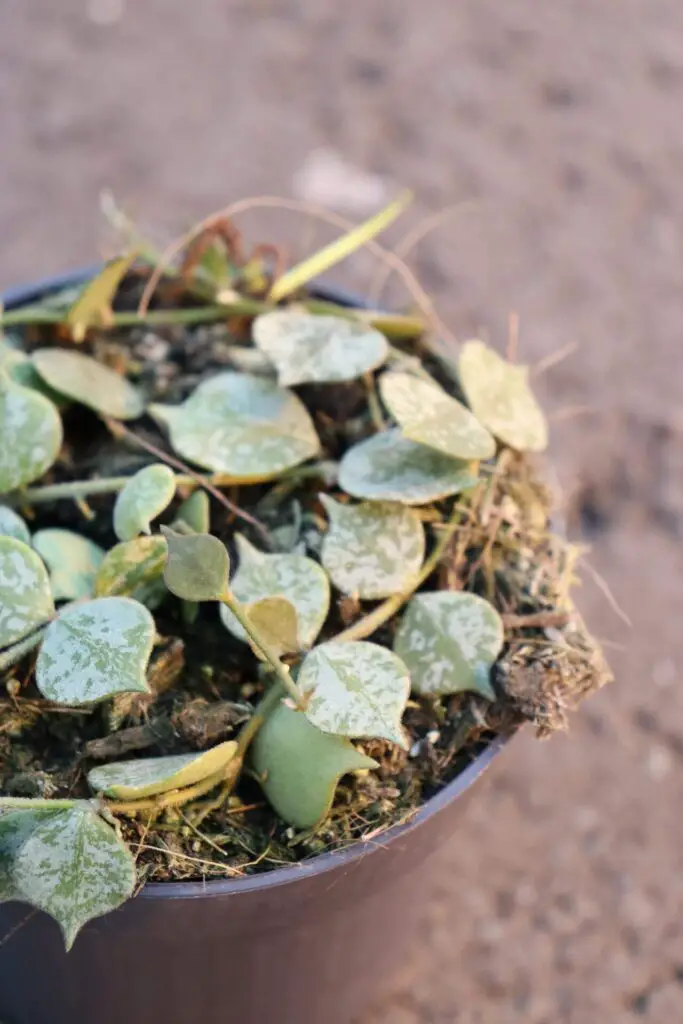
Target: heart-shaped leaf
197,567
426,414
298,579
73,562
355,689
450,641
195,512
374,549
499,395
244,427
275,620
73,866
22,371
390,467
135,780
134,568
15,828
25,595
318,349
92,308
91,383
299,766
144,497
31,433
12,525
95,650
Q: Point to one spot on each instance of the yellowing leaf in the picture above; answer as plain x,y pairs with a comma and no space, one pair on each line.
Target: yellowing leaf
92,308
91,383
144,497
135,780
30,434
244,427
426,414
499,395
134,569
390,467
197,567
25,595
275,620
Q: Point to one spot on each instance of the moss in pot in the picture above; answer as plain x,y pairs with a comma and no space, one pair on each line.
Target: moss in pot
270,576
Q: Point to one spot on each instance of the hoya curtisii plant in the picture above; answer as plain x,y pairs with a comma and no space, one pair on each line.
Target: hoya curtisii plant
88,614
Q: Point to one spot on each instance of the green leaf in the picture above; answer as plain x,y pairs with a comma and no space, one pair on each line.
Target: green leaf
134,568
92,308
427,414
298,579
25,595
374,549
73,562
31,433
91,383
318,349
12,525
135,780
244,427
195,512
390,467
450,641
22,371
355,689
15,828
197,567
95,650
276,621
499,395
74,867
144,497
299,766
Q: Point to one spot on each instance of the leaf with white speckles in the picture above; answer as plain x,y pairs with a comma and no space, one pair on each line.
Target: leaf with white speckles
499,395
149,776
275,620
30,434
73,562
25,595
74,867
12,525
390,467
134,568
195,512
355,689
450,642
144,497
197,567
374,549
95,650
318,349
15,828
426,414
244,427
89,382
299,766
298,579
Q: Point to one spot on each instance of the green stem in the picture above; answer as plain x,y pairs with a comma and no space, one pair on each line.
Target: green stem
79,489
370,623
21,803
268,703
280,670
17,651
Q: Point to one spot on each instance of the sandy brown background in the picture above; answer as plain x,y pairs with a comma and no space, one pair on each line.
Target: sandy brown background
562,897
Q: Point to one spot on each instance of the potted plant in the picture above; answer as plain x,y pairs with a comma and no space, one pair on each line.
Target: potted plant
277,581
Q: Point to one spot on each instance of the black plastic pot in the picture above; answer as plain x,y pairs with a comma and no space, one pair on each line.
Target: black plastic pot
309,944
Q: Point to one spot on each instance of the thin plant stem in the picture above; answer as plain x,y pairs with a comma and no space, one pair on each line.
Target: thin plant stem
21,803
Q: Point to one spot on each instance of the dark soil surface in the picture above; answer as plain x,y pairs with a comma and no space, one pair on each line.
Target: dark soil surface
560,901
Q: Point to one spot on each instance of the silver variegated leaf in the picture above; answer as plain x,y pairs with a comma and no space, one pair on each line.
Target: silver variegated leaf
96,650
30,434
374,549
299,766
427,414
83,379
12,525
318,349
15,828
244,427
499,395
143,498
390,467
356,689
298,579
450,642
149,776
73,562
135,569
25,595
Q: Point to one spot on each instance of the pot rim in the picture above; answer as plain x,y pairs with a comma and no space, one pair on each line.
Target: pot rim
22,295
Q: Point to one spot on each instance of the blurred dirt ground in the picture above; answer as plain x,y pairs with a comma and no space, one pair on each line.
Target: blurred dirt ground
557,127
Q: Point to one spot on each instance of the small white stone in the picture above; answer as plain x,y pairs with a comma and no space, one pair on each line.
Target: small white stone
659,763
